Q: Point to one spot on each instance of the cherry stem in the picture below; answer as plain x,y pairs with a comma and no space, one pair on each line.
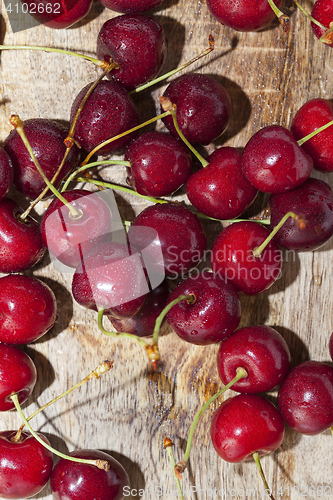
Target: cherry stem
181,466
180,68
283,18
168,106
191,298
312,19
257,251
152,351
167,445
102,368
18,125
116,137
102,64
315,132
91,165
262,475
101,464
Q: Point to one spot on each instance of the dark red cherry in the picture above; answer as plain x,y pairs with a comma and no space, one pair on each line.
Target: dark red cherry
28,309
322,11
203,107
78,481
137,43
111,278
312,115
18,375
246,424
21,245
6,173
109,111
130,6
314,201
273,161
233,259
143,322
58,15
25,467
305,398
330,347
214,314
220,190
172,230
160,164
243,15
46,138
69,238
261,351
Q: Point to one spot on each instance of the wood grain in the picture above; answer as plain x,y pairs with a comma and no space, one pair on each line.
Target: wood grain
269,75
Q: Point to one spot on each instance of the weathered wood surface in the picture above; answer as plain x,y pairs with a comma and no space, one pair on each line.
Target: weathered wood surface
129,411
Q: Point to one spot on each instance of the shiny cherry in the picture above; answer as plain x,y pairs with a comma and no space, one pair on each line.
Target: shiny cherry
58,15
137,44
212,316
6,173
28,309
322,11
261,351
130,6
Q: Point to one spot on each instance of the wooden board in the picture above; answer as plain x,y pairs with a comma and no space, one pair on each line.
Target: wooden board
129,411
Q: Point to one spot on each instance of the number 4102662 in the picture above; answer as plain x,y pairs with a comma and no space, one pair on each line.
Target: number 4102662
33,8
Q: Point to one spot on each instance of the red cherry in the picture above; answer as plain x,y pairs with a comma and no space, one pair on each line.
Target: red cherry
203,107
305,398
58,15
243,15
6,173
25,467
322,11
261,351
220,190
77,481
137,44
28,309
234,261
311,116
214,314
330,347
108,112
21,245
46,138
246,424
313,200
273,161
68,238
130,6
160,164
18,375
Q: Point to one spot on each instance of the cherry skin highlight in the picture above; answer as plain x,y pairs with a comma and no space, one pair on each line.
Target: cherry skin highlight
28,309
6,173
137,43
273,161
203,107
214,314
261,351
314,201
78,481
160,164
246,424
18,375
220,190
312,115
233,260
305,398
21,245
46,138
130,7
25,467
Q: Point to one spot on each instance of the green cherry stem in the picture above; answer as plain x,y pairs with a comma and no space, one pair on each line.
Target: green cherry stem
181,466
300,221
191,298
72,176
315,132
102,64
283,18
19,126
168,446
180,68
262,475
102,368
101,464
168,106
